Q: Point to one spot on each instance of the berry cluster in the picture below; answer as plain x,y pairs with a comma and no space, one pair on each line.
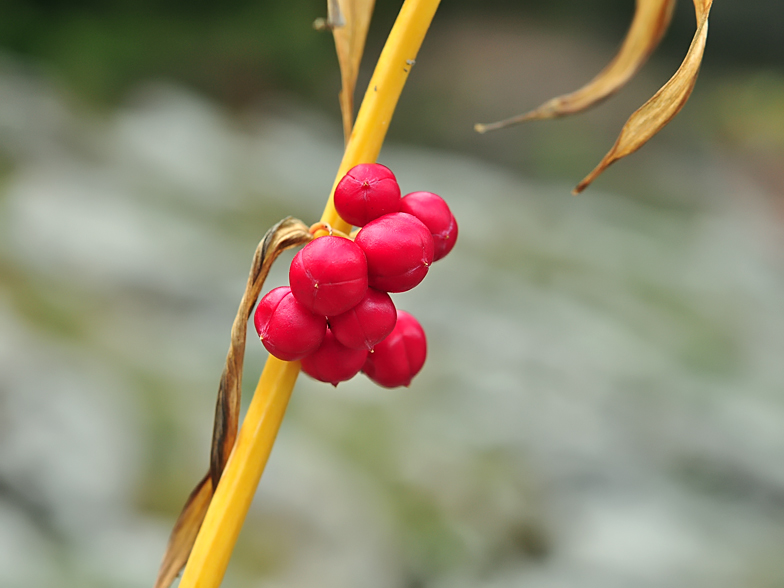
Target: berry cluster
336,314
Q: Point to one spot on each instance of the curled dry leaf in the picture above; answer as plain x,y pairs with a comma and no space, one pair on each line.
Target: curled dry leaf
184,533
651,18
349,21
286,234
652,116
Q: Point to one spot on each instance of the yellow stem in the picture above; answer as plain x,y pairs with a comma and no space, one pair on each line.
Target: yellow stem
229,506
396,61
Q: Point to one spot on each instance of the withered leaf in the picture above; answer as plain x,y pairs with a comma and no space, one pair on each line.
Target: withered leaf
349,21
184,533
286,234
652,116
651,18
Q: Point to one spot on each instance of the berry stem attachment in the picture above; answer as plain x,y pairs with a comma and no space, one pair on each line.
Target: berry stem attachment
322,229
382,94
218,534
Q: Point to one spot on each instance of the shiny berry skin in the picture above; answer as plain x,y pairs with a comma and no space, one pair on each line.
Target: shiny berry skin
366,192
288,330
399,251
329,275
333,362
367,323
400,356
434,212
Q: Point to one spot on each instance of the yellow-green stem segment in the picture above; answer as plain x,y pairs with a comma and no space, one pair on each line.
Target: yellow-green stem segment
218,534
396,61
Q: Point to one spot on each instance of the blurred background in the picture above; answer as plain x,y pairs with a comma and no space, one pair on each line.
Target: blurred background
603,404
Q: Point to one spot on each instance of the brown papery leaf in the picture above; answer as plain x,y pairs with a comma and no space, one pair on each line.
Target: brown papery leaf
288,233
651,18
652,116
349,20
184,533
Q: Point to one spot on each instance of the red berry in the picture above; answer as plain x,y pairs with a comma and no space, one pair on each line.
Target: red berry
366,192
288,330
399,251
329,275
367,323
434,212
400,356
333,362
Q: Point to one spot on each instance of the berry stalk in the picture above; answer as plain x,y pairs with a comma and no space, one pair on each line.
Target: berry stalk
394,64
215,542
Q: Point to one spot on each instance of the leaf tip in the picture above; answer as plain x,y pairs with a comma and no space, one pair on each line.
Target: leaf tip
595,173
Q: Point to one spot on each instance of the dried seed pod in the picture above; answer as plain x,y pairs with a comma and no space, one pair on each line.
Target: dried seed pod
288,330
367,323
434,212
333,362
366,192
329,275
399,251
400,356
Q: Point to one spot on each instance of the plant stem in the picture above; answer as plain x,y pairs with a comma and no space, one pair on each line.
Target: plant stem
218,534
394,64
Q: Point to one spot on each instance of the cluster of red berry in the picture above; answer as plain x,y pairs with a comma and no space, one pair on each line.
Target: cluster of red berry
336,315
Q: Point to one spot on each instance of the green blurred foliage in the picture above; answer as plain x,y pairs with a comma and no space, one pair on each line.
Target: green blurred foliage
233,50
237,50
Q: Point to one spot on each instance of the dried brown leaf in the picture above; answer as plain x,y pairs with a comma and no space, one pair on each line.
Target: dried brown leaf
349,21
286,234
184,533
652,116
649,24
